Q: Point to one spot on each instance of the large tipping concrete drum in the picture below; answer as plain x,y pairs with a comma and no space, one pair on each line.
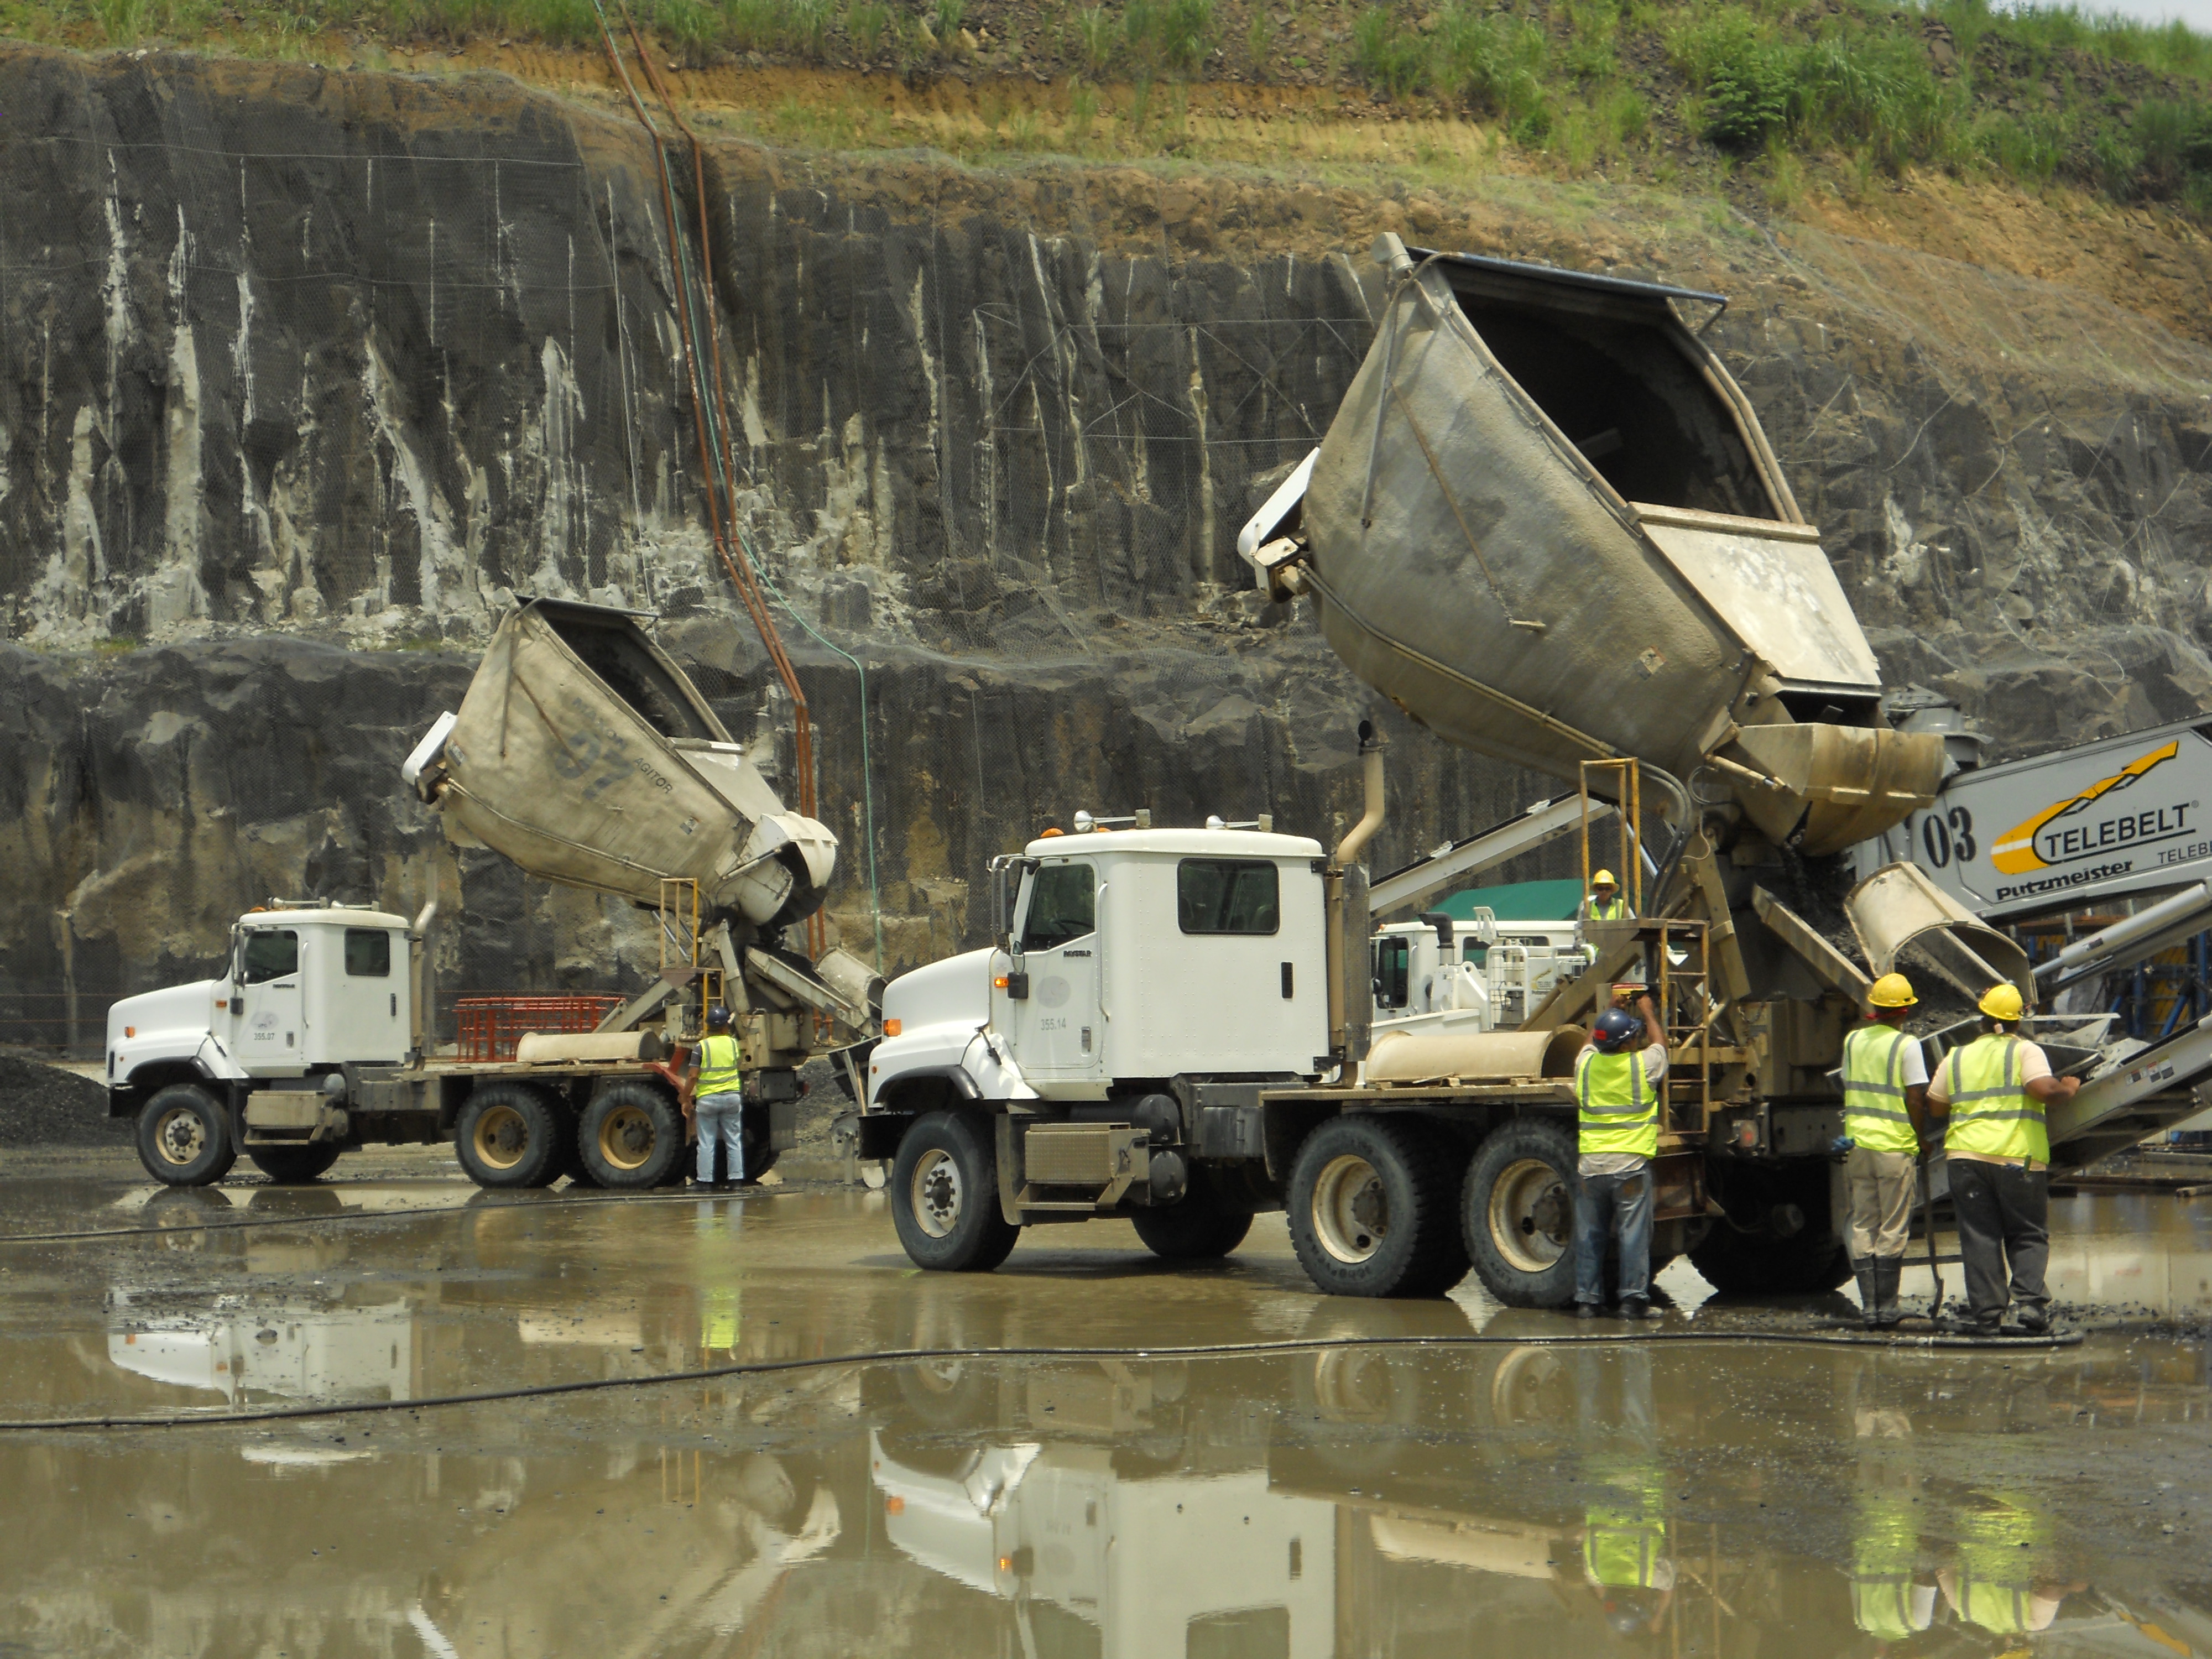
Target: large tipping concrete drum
583,753
1546,523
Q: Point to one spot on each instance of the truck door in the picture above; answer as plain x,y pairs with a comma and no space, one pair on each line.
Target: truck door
266,1034
1056,1030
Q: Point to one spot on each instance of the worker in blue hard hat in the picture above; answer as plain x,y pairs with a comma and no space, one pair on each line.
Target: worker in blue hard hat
1620,1080
713,1098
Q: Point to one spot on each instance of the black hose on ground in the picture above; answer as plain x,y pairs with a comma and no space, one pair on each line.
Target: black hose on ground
911,1356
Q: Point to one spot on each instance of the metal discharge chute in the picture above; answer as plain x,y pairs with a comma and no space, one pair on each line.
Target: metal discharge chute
1545,522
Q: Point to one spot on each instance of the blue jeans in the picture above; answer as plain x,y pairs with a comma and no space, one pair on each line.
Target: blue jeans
721,1117
1625,1202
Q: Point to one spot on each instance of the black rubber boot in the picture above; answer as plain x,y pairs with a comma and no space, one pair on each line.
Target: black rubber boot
1888,1271
1864,1267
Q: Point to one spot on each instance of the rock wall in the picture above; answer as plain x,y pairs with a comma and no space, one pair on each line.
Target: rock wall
304,376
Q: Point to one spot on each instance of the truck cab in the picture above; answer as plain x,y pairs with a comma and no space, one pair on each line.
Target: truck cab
1125,959
307,990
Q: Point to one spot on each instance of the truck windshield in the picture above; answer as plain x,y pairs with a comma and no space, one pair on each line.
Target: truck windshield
1063,906
268,954
1228,896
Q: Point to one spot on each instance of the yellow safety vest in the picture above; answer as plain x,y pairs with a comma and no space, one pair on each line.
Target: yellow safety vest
1886,1547
1996,1567
1619,1108
1613,909
719,1059
1991,1111
1625,1533
1874,1090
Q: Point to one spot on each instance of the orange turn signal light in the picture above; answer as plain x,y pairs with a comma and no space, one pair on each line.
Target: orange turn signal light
890,1027
894,1505
1045,834
131,1030
998,983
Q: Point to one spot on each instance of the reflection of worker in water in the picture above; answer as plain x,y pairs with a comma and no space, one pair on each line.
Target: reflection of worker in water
1619,1079
712,1098
1885,1085
1993,1583
1893,1599
1605,903
1627,1565
1989,1098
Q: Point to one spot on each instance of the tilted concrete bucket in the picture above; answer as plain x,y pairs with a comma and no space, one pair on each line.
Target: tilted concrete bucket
1546,523
584,754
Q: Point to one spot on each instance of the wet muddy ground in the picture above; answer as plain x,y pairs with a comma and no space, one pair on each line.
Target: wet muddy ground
1495,1492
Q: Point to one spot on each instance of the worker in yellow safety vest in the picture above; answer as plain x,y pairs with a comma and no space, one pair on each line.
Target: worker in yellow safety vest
1605,903
1989,1099
1892,1601
1620,1081
713,1098
1885,1089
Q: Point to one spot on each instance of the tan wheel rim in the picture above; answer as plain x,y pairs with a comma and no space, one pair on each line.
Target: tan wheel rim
1351,1211
1353,1385
1529,1390
1531,1215
180,1136
936,1193
501,1137
626,1137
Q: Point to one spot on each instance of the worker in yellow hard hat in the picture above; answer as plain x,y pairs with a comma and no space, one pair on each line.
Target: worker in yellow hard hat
1605,903
1989,1099
1885,1089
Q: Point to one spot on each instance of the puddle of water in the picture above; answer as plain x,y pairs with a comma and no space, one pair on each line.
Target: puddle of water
1363,1500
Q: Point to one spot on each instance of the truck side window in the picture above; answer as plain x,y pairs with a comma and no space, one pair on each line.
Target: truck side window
1393,972
368,953
1063,906
269,954
1228,896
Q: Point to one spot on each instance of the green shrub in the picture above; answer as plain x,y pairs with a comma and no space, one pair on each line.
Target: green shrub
1094,33
2030,149
2175,137
1396,60
868,24
1498,63
1171,35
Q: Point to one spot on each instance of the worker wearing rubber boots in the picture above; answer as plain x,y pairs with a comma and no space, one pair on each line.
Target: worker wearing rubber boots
1885,1089
1605,903
1989,1098
1619,1080
713,1100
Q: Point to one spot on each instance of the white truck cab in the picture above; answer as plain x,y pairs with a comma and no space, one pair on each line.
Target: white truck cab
1481,974
1128,959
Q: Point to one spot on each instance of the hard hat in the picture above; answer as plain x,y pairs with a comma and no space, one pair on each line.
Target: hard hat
2001,1001
1892,990
718,1015
1616,1029
1603,878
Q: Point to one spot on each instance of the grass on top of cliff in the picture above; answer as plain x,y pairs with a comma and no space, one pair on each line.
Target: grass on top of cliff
1832,94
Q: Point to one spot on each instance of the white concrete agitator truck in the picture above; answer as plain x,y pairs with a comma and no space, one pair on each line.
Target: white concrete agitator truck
1546,524
582,753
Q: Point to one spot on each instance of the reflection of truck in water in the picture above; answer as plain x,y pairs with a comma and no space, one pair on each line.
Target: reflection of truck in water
585,755
1544,522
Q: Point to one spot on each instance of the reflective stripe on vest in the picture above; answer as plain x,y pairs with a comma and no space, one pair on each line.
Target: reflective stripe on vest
1886,1547
1991,1111
1625,1533
719,1059
1873,1092
1996,1567
1619,1110
1613,909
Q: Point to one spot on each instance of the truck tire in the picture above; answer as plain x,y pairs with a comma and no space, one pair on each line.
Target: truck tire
1373,1207
1517,1211
1196,1228
944,1196
184,1137
295,1166
632,1137
1758,1264
760,1157
508,1134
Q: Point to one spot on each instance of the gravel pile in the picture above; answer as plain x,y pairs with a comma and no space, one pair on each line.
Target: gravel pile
40,1106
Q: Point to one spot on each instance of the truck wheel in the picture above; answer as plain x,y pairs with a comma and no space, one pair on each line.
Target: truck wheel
760,1157
1758,1264
508,1135
1372,1208
183,1137
294,1166
633,1137
944,1196
1196,1228
1518,1210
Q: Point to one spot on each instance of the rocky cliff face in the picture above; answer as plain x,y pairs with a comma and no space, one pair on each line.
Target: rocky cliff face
305,376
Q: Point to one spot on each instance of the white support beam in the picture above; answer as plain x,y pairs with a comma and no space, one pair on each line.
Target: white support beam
1546,821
